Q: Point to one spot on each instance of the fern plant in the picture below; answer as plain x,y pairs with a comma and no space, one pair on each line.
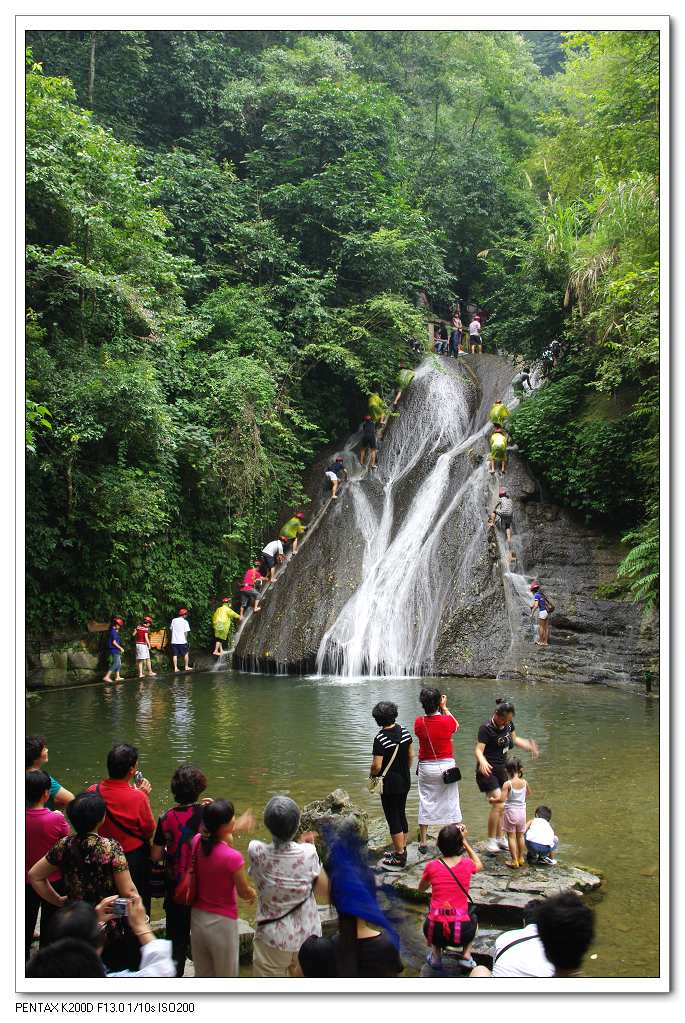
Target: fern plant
641,564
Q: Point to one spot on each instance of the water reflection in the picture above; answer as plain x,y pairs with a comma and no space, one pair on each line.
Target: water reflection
256,735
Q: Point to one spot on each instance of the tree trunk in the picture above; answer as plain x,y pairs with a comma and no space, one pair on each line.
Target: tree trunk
91,71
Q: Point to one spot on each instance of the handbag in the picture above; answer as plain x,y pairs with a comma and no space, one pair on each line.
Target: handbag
157,884
185,892
376,780
450,775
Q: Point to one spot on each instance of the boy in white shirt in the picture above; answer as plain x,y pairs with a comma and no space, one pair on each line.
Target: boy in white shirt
540,838
179,641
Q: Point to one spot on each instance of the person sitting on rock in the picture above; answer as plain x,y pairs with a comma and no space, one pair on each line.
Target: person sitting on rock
369,443
540,838
293,530
499,413
498,451
336,472
566,927
450,921
249,595
222,620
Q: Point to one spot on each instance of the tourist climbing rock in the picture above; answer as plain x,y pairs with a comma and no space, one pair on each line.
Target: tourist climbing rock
336,473
249,594
475,338
521,381
404,380
499,413
451,921
378,410
272,555
392,759
115,650
180,627
495,738
369,443
543,607
293,530
222,621
498,451
515,792
503,513
141,635
540,838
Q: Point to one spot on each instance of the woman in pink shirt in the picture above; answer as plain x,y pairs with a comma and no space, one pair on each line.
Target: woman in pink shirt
249,595
220,874
43,829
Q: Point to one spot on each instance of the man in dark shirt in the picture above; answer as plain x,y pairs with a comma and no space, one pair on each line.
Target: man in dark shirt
336,472
495,738
369,442
392,757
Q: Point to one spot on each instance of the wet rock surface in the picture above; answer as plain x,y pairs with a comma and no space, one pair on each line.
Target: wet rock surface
336,811
484,627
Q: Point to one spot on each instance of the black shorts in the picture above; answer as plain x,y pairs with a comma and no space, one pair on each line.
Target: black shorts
505,521
247,597
268,560
453,935
394,810
179,649
369,442
493,781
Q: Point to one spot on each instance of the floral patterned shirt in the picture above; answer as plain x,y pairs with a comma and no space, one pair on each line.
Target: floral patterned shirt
88,866
283,877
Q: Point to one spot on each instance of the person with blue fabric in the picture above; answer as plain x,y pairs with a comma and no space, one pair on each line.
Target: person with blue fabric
366,945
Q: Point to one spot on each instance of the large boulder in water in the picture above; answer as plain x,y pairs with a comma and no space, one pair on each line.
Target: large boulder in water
335,811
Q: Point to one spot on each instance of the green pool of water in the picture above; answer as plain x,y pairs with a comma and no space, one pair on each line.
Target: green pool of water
255,735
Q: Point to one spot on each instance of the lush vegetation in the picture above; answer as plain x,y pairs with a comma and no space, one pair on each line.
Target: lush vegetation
226,236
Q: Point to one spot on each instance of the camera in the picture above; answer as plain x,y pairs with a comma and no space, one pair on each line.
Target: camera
137,778
120,907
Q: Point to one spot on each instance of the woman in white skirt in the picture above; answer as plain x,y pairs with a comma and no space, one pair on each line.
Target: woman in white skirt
438,801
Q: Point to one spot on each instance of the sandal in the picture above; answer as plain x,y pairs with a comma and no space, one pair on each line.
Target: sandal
512,863
467,964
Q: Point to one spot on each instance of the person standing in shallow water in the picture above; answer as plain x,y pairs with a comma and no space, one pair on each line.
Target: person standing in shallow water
495,738
180,627
115,650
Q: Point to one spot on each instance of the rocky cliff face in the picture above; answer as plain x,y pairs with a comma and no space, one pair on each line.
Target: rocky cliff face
481,616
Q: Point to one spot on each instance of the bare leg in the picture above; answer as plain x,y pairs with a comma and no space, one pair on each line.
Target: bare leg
335,490
423,834
256,607
148,667
399,842
186,659
140,668
513,850
508,534
174,661
521,847
495,815
362,457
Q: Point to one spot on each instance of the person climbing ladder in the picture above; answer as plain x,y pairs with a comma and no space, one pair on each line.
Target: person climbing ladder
293,530
369,443
222,621
336,472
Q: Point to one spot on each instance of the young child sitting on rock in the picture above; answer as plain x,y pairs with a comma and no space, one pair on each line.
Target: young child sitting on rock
540,838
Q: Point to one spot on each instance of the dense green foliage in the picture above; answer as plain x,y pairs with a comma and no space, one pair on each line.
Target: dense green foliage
587,273
226,236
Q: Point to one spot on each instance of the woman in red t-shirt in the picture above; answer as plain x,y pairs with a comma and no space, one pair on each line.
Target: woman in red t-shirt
451,921
438,802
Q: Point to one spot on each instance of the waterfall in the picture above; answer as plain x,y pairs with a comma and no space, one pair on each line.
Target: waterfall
390,624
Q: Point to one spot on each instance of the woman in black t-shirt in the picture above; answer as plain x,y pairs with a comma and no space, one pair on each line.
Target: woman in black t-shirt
495,738
392,757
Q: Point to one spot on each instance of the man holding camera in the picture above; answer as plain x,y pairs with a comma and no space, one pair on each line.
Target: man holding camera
128,817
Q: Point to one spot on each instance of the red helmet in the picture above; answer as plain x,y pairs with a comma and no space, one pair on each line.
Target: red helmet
226,600
299,515
118,621
147,618
502,492
535,585
367,418
183,610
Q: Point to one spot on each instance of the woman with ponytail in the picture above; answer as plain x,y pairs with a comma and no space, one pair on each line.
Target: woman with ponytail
219,876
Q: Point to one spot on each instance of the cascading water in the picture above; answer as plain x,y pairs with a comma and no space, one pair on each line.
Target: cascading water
389,626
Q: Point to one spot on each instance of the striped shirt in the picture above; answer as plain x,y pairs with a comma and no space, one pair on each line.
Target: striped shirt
397,781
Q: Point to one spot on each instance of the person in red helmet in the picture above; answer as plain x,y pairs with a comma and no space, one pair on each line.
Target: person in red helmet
369,442
141,634
293,530
115,651
180,627
222,620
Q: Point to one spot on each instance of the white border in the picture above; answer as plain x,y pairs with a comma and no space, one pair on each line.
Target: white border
85,19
